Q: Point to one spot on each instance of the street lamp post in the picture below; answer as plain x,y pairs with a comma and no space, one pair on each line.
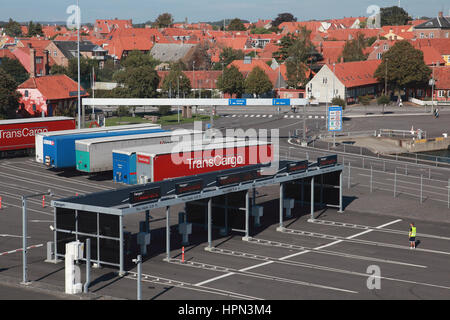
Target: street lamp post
24,233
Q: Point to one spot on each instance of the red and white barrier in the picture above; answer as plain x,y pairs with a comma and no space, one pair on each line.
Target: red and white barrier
20,250
182,254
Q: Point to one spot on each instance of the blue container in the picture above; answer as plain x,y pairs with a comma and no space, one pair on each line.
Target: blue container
124,166
59,151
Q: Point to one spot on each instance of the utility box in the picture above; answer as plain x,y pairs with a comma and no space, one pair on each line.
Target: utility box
74,251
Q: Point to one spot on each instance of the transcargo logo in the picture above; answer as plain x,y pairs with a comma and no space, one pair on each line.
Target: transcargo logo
20,133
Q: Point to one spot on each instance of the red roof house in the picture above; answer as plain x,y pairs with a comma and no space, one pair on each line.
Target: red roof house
49,94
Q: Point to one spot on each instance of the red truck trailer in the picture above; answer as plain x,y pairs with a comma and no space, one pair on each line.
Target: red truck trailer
17,136
157,163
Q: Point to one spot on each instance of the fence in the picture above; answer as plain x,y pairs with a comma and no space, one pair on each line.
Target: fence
422,182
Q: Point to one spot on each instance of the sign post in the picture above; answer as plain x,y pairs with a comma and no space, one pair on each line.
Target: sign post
334,121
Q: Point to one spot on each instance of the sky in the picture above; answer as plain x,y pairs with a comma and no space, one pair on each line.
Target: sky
209,10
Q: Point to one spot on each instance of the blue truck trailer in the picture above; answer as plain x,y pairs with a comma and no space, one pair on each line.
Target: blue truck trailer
59,151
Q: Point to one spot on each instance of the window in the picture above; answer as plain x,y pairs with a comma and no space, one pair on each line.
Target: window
431,35
440,93
446,34
55,53
26,93
34,107
39,60
422,35
385,47
379,55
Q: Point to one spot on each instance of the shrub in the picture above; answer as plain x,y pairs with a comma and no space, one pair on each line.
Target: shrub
163,110
383,99
123,111
338,101
364,100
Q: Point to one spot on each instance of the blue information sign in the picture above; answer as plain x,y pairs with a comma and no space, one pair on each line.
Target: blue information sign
281,102
237,102
334,118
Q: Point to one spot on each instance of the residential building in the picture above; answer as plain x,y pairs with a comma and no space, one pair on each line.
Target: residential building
48,94
442,83
63,51
102,28
172,52
349,80
434,28
35,61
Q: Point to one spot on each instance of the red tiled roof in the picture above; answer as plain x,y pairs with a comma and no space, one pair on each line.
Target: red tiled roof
348,34
235,43
291,27
5,53
442,77
35,43
106,26
357,73
54,87
249,67
120,44
431,55
441,45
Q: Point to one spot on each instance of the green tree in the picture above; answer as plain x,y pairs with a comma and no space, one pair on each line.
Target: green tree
257,82
405,67
15,69
9,97
176,79
260,31
283,17
58,69
295,73
12,29
364,100
231,81
164,20
136,59
394,16
227,56
236,25
34,29
298,46
353,49
383,100
86,66
141,82
338,101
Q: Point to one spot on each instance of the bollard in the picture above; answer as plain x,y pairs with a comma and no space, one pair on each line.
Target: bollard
0,203
43,201
182,254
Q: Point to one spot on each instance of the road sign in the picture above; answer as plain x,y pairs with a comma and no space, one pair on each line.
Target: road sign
281,102
334,118
237,102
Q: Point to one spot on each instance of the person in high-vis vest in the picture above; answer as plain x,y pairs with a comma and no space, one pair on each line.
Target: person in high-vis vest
412,236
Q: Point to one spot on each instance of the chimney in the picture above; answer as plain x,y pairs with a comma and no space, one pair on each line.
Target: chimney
440,14
32,63
46,66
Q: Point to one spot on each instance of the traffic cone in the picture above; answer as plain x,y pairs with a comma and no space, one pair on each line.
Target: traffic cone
182,254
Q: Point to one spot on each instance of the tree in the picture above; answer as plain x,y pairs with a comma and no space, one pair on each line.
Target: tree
200,57
15,69
164,20
257,82
338,101
12,28
227,56
394,16
405,67
86,66
176,79
34,29
236,25
298,46
295,73
231,81
260,31
136,59
58,69
353,49
283,17
9,97
141,82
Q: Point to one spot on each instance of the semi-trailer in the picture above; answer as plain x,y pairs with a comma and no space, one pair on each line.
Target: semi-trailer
124,160
39,139
59,151
17,136
95,155
157,163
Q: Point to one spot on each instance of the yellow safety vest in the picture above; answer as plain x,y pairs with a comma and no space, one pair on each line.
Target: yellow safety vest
412,232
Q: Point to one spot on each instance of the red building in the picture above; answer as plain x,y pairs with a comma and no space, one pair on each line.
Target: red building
49,94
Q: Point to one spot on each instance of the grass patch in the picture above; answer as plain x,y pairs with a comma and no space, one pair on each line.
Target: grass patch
164,120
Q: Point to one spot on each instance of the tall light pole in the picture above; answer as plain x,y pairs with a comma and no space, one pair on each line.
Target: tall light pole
193,77
78,52
432,91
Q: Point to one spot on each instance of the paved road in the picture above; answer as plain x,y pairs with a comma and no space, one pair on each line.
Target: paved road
307,261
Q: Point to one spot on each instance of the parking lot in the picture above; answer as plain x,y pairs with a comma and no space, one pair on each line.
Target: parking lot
330,258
